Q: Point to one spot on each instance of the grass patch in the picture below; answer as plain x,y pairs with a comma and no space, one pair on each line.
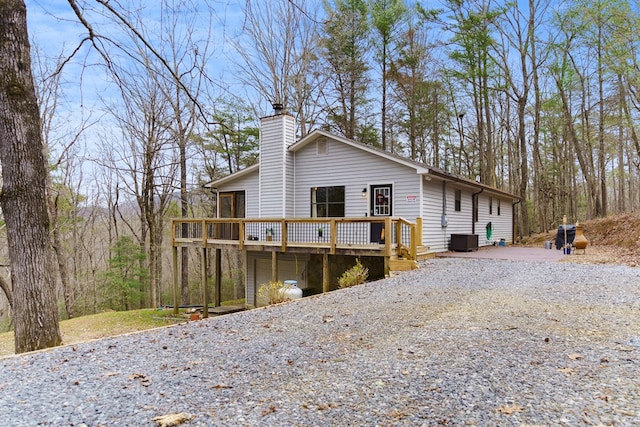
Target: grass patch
102,325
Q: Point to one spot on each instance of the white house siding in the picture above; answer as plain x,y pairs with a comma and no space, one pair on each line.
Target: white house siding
248,184
258,271
502,224
434,235
276,134
355,169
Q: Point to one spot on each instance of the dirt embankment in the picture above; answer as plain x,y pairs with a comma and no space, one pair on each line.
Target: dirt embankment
612,240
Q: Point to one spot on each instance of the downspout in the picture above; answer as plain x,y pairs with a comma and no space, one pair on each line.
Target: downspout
474,207
513,221
443,219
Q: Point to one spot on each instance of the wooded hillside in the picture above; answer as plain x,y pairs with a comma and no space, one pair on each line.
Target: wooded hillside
536,97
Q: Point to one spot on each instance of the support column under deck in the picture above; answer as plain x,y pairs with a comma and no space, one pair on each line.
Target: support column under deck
218,277
274,266
326,280
203,280
175,281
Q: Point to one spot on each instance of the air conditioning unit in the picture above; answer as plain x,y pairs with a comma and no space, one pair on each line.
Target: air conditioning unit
463,242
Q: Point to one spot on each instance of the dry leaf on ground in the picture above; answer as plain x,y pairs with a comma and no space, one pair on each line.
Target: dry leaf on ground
510,409
144,380
170,420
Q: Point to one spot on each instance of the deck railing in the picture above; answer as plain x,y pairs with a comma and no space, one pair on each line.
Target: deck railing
385,234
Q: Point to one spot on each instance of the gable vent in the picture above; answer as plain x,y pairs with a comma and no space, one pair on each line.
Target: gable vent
321,146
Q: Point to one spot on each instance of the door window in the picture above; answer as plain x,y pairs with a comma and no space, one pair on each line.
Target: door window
232,205
381,200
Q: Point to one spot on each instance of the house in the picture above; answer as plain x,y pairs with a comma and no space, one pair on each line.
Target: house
311,205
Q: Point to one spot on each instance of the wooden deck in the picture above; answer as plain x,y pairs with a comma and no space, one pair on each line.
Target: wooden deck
395,239
388,236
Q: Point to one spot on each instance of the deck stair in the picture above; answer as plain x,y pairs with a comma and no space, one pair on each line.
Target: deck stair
402,260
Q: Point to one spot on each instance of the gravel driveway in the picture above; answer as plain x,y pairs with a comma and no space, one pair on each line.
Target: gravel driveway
457,342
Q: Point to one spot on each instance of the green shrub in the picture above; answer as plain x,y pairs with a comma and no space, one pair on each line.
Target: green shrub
356,275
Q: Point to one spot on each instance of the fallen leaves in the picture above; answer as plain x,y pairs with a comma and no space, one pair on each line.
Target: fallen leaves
510,409
170,420
221,386
270,410
144,380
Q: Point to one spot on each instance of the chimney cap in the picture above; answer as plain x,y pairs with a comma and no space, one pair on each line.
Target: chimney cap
278,108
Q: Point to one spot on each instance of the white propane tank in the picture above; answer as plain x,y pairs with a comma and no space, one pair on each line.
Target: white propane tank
292,291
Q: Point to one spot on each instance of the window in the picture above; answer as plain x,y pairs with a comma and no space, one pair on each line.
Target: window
458,202
232,204
490,205
498,202
327,202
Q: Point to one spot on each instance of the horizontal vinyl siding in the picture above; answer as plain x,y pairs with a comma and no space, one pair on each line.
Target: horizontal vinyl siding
290,133
248,184
355,169
434,235
276,133
502,224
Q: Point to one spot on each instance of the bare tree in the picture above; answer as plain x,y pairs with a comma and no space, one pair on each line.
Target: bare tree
517,29
277,53
187,55
23,197
146,162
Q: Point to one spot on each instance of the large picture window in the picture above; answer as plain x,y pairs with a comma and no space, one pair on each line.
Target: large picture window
327,202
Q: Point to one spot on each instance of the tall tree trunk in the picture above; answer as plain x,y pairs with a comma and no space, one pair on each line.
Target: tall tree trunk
23,197
62,264
577,147
621,146
602,171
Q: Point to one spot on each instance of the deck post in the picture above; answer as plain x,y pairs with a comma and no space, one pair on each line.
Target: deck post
218,298
284,235
387,239
419,231
175,280
326,281
334,236
274,266
413,247
203,279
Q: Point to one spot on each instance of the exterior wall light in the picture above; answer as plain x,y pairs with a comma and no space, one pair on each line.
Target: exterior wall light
364,192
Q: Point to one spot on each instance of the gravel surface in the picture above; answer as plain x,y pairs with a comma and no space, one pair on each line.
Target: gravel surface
459,342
